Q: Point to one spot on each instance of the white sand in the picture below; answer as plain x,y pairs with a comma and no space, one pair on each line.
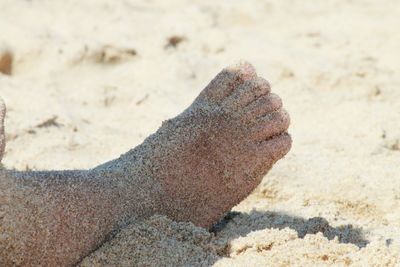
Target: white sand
334,63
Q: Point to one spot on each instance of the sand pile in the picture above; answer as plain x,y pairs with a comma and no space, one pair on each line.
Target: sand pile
78,96
281,240
154,241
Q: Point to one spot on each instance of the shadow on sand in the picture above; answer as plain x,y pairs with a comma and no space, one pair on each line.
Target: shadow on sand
236,224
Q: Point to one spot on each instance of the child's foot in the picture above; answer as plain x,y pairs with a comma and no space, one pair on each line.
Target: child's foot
216,152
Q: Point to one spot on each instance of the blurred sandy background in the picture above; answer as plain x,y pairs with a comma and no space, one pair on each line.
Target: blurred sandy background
91,79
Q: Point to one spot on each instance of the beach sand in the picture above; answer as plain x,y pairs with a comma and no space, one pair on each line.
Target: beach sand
92,79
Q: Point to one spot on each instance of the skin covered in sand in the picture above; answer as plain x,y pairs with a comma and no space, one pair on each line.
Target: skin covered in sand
2,135
195,168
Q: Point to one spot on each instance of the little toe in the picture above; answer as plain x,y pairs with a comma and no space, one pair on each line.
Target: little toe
227,80
271,150
262,106
270,125
248,92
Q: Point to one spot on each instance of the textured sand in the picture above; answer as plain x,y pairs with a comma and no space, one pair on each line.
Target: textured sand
79,66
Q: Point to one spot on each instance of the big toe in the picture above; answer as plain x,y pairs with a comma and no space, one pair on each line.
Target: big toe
248,92
227,80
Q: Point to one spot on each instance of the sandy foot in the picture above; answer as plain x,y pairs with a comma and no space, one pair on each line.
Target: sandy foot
216,152
195,168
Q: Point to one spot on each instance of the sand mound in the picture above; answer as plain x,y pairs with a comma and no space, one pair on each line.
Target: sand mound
155,242
159,241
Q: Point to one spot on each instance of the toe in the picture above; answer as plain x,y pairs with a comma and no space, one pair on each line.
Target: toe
243,70
270,125
271,150
262,106
227,80
248,92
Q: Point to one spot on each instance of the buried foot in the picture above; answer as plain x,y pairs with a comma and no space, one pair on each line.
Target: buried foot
195,168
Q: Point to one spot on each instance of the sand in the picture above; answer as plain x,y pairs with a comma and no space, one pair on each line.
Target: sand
79,66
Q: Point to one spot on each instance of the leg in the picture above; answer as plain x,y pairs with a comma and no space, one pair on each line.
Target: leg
2,135
56,218
195,168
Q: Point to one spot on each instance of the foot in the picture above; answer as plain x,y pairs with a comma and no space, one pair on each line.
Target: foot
216,152
195,168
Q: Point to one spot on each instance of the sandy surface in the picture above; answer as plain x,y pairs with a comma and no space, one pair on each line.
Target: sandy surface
91,79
